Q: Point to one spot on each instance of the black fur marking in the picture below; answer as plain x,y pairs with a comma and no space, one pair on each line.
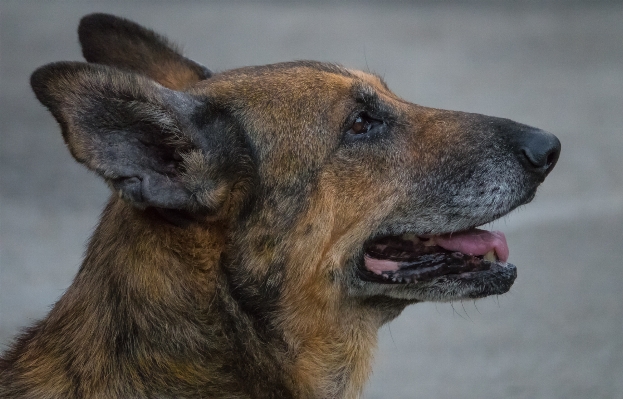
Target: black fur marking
110,40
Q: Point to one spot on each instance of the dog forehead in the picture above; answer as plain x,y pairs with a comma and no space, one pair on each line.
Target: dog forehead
290,85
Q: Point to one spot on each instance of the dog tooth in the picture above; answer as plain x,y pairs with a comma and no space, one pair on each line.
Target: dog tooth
490,256
410,237
429,242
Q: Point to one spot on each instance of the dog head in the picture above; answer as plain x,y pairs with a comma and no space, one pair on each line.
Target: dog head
334,189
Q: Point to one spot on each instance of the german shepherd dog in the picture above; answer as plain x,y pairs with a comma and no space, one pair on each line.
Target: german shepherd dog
264,223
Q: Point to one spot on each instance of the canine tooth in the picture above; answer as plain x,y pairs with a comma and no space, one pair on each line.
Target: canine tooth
429,242
490,256
410,237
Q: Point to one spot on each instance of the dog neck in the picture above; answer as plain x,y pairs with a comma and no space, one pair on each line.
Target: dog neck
152,310
294,301
140,318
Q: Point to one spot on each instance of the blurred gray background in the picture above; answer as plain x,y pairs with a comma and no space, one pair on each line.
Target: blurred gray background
555,65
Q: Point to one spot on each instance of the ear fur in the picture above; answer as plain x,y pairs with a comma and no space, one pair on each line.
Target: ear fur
142,138
110,40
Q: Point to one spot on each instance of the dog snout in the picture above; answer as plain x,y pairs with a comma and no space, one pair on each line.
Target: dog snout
537,150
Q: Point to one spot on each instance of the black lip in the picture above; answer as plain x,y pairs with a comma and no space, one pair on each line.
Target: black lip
496,279
428,267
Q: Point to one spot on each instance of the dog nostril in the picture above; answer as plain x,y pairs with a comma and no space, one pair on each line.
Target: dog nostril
534,161
542,161
551,158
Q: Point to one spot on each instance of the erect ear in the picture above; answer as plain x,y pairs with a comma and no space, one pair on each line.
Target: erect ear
155,146
118,42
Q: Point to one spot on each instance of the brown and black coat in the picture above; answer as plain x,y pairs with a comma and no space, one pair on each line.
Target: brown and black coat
228,261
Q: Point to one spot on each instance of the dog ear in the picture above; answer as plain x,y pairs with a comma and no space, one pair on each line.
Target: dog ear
151,144
118,42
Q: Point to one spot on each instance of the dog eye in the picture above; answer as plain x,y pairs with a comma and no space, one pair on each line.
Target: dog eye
363,124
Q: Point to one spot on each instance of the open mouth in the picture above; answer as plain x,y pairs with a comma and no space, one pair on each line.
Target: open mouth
410,258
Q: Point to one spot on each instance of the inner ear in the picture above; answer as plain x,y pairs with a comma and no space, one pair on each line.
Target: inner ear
110,40
143,139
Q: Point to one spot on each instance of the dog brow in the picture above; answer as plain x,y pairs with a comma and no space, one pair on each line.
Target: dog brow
367,95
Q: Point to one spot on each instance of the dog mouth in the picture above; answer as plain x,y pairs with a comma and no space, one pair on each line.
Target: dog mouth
410,258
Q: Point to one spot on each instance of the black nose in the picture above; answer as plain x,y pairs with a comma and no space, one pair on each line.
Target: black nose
541,151
536,149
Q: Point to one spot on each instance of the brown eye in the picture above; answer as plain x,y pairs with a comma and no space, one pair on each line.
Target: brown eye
364,124
361,125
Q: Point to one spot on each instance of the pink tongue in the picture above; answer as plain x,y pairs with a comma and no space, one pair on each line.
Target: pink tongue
475,242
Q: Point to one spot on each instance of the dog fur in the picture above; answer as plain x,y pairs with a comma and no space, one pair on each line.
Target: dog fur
225,264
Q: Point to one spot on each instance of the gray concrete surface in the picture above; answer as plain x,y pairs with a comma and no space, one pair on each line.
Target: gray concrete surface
557,334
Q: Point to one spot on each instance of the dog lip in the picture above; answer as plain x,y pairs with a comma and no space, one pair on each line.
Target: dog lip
465,267
459,265
411,258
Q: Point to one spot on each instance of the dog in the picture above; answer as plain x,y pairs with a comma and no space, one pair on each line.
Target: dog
264,223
